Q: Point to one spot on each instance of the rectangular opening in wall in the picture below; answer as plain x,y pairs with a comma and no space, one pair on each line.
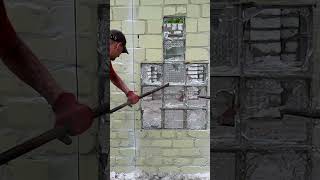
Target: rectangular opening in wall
178,106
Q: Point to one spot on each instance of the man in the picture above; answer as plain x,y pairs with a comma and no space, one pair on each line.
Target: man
117,46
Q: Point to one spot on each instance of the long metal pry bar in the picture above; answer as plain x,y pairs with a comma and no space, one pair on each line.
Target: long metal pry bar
58,133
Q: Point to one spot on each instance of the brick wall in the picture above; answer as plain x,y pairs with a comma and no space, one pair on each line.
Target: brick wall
48,28
156,151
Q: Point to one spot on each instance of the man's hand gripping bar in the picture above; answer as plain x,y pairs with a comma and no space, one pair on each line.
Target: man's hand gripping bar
60,133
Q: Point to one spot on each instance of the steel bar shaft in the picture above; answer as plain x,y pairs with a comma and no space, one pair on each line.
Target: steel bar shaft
60,133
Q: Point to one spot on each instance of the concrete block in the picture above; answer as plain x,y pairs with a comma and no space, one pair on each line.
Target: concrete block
150,41
116,124
175,1
122,169
122,161
287,33
150,12
85,18
183,143
197,54
169,169
30,169
291,46
154,26
193,11
116,25
86,55
154,161
8,139
197,40
151,2
59,47
154,55
66,77
28,114
114,151
149,151
189,152
170,152
315,165
202,143
290,22
182,135
127,3
133,27
168,134
149,169
182,161
63,167
123,13
127,152
201,162
265,23
161,143
126,143
205,152
191,25
181,10
224,165
87,142
262,165
200,1
265,35
115,143
86,85
199,134
118,116
169,10
11,86
89,167
195,169
289,57
167,161
205,10
124,134
35,18
271,12
140,161
154,134
266,48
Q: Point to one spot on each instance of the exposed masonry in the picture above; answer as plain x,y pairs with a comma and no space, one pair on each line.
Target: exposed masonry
263,63
153,150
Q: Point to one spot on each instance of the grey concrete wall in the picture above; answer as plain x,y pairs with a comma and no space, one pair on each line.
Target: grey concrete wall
264,145
48,27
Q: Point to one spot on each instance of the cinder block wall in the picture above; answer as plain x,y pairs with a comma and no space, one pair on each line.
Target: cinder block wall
156,151
48,27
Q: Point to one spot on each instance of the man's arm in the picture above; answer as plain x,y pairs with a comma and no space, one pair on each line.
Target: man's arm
21,61
117,81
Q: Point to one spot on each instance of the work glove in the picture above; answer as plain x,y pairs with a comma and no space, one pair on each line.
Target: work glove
8,36
70,113
132,97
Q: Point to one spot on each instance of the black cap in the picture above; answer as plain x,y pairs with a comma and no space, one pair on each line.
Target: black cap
118,36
